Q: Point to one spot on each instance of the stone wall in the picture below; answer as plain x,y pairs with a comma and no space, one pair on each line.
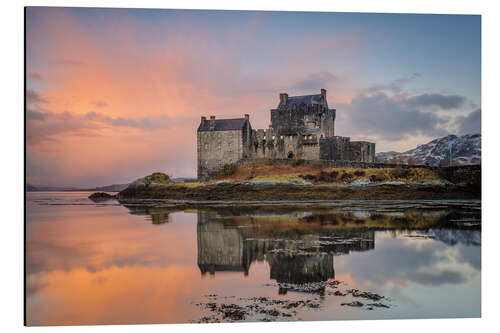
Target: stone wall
217,148
291,122
334,148
310,151
468,174
362,151
265,144
341,148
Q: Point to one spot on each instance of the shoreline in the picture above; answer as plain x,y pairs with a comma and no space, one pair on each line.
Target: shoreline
240,192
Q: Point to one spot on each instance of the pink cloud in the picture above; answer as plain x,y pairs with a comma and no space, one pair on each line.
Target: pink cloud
150,95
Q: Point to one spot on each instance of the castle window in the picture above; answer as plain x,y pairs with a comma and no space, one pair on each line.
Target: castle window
282,137
274,137
310,137
304,137
206,145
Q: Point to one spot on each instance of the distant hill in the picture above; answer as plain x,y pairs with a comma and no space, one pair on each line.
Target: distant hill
43,188
31,188
465,150
111,188
107,188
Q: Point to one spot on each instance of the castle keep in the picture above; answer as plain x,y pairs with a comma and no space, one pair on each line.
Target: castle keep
302,127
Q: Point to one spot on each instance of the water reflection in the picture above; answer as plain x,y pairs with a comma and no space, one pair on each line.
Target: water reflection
106,264
293,255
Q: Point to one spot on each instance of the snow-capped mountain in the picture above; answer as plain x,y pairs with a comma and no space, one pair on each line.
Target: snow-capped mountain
465,149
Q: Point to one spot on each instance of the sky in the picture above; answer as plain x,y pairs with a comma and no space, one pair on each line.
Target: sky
115,94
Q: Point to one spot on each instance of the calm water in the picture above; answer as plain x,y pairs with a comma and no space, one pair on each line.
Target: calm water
105,263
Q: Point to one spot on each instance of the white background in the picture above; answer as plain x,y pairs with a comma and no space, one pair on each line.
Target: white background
12,159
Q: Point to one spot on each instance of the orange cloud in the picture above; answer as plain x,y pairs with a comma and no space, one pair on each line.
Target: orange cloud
153,91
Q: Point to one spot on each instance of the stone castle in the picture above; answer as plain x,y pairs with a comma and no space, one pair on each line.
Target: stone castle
302,127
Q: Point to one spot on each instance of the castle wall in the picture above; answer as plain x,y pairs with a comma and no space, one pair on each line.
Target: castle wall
362,151
296,120
310,151
328,123
335,148
268,144
217,148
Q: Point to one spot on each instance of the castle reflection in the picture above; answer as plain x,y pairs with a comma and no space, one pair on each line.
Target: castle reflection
294,255
154,214
299,246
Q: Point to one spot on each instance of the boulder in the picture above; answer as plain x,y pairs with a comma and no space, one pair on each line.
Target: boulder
101,196
152,180
361,182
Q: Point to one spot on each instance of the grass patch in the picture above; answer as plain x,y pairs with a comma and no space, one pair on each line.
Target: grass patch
316,172
155,178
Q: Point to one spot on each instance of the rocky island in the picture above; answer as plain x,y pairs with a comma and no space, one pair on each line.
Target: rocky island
273,180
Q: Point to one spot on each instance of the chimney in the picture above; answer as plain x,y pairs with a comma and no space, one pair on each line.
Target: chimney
212,123
247,117
323,92
283,98
203,118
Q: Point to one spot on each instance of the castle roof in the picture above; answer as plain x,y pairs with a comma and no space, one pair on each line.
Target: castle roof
308,100
223,124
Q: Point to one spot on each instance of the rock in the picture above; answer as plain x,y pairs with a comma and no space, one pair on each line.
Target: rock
221,182
395,183
379,305
365,294
261,183
101,196
433,182
299,181
339,293
311,287
152,180
360,182
355,304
